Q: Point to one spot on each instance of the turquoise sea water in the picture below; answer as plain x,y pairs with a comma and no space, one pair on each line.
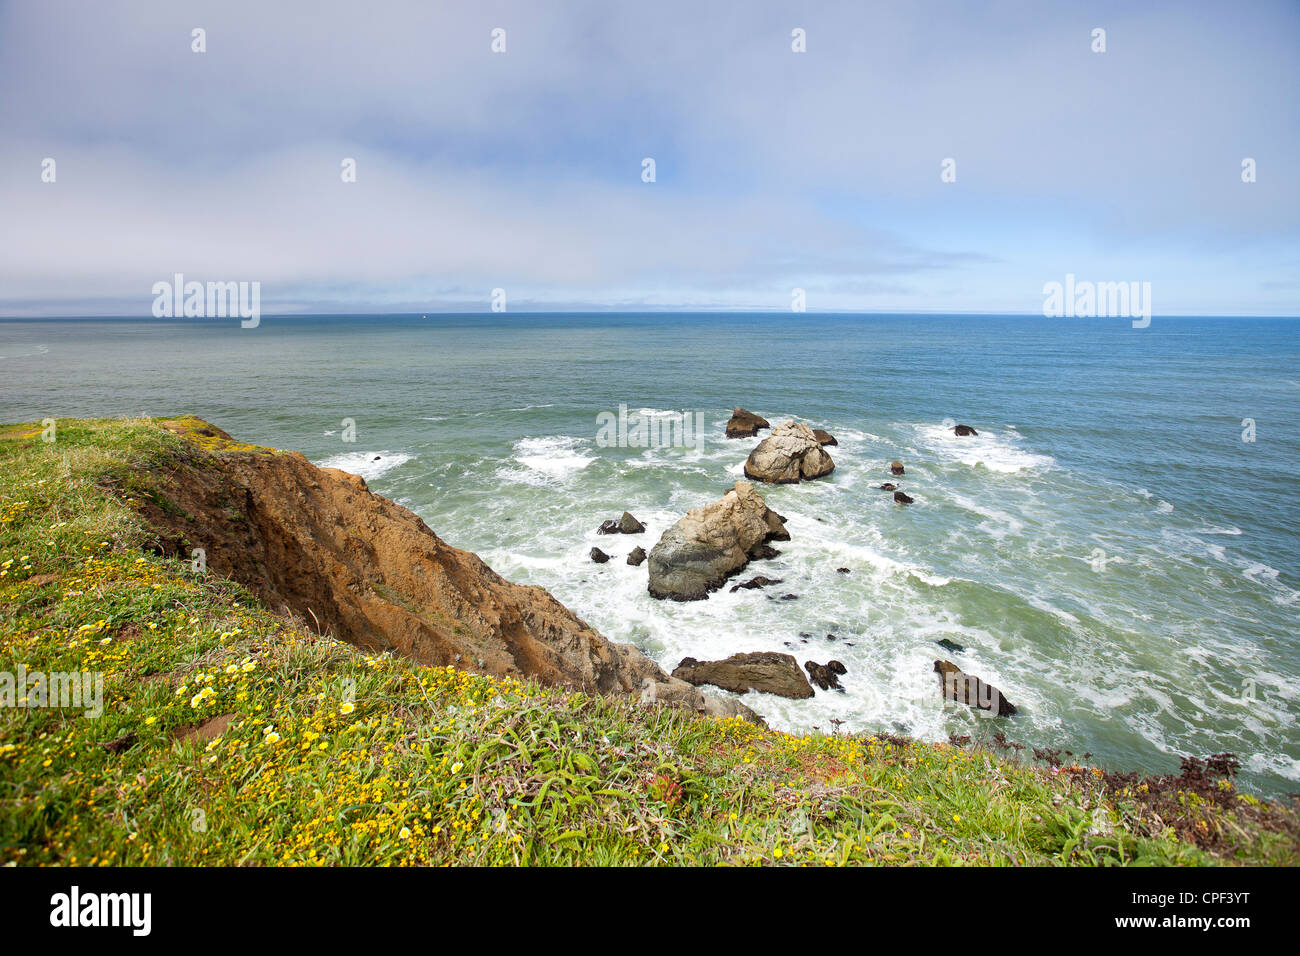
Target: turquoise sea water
1109,550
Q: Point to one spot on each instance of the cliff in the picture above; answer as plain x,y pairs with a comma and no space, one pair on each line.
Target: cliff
318,544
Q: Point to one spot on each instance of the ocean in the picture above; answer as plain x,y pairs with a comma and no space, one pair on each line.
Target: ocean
1118,550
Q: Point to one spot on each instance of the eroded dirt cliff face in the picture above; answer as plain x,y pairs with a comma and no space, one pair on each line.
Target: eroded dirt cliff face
316,542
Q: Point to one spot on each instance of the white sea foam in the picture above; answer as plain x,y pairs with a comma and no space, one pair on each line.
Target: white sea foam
557,456
988,449
999,524
363,463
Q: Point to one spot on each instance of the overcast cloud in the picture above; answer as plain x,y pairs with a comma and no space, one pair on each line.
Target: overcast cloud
775,170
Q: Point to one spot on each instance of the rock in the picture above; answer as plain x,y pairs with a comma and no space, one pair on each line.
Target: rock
711,543
950,646
970,690
832,637
624,525
636,557
765,671
902,498
842,571
963,430
599,556
896,467
826,676
761,551
789,597
745,424
790,454
755,582
673,692
824,437
889,486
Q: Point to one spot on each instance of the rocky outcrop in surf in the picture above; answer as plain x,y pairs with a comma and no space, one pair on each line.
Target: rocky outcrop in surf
745,424
824,437
970,690
826,676
766,671
712,543
962,431
624,525
790,454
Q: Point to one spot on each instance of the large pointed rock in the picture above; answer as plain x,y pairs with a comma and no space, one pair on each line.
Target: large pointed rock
711,543
790,454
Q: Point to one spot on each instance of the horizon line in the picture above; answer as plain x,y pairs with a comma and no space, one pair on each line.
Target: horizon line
17,317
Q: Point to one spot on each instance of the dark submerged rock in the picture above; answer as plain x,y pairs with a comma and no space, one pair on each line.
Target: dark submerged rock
758,581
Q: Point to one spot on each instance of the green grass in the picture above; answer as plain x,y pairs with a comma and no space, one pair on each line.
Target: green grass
329,756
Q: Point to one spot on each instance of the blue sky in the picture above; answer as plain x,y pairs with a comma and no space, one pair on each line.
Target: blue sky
775,170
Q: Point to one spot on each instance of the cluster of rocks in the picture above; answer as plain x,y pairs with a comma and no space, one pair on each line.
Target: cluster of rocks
627,524
793,452
897,470
715,542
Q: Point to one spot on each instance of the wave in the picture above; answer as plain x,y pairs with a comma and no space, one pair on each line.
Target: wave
556,456
987,449
368,464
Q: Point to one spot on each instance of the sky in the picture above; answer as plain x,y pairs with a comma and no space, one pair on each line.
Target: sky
522,170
